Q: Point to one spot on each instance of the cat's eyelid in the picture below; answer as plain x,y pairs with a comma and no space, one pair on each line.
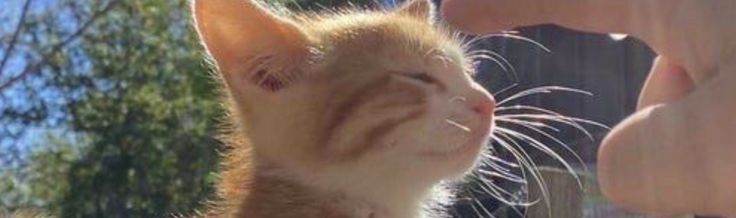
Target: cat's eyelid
422,76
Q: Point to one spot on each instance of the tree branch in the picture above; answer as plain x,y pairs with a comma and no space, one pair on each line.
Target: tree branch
16,33
57,48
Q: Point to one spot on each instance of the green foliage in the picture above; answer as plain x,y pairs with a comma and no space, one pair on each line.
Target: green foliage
150,113
42,181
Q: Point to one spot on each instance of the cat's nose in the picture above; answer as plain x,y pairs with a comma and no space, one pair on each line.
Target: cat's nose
484,106
482,102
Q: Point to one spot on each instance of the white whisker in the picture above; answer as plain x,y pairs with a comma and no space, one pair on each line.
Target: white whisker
496,192
571,121
506,35
458,125
541,122
483,207
494,56
478,57
565,146
527,123
505,89
504,175
499,160
550,112
523,39
542,90
527,162
541,147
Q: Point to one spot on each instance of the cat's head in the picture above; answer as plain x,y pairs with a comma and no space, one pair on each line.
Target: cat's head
357,98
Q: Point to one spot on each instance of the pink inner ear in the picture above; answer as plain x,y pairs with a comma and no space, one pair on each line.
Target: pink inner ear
267,81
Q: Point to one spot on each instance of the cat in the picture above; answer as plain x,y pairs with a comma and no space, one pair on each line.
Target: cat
349,114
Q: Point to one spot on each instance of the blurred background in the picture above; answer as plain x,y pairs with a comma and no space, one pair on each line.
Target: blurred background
107,110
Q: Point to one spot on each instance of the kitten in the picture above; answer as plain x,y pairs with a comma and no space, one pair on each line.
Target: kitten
352,114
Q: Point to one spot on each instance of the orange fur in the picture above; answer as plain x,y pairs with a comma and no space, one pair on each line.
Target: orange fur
340,114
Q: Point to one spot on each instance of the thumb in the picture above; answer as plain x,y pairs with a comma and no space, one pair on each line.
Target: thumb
675,156
667,82
645,163
629,175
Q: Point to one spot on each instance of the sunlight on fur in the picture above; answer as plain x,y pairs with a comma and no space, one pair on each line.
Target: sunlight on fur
363,113
359,113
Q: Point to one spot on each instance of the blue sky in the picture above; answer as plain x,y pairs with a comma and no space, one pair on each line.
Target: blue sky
16,96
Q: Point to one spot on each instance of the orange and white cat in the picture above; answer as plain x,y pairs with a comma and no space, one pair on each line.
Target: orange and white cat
351,114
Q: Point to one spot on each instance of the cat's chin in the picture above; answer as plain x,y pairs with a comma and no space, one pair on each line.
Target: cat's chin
469,149
461,159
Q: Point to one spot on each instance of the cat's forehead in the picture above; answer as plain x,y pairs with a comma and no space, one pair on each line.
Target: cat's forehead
377,33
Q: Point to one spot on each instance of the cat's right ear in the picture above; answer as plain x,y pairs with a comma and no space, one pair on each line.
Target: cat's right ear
237,32
420,9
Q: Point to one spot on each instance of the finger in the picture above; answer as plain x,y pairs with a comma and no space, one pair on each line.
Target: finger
667,82
604,16
640,173
677,157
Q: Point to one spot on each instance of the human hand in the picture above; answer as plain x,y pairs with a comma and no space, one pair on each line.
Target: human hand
677,154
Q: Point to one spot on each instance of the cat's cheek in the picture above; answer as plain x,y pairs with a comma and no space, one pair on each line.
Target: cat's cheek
436,160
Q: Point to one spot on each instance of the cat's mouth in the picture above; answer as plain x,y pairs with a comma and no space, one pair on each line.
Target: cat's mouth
470,148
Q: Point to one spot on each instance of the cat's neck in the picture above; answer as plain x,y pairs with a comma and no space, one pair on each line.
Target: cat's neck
273,191
334,198
271,195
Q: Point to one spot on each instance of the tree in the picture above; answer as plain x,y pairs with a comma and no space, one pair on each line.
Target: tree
150,111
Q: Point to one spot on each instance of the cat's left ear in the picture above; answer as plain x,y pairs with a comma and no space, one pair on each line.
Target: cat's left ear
253,47
421,9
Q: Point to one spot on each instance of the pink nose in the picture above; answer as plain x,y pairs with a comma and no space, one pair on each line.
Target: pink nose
485,107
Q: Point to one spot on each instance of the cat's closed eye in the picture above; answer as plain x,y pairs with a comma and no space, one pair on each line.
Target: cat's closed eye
421,77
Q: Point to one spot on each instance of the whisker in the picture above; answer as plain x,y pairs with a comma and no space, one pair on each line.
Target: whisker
505,89
550,112
483,207
528,162
542,90
541,147
496,192
523,158
475,209
478,57
545,134
526,122
505,175
468,43
571,121
499,169
499,160
493,56
458,125
541,122
526,107
506,35
535,144
498,166
565,146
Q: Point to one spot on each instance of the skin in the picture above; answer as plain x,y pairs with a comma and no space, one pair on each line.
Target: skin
676,154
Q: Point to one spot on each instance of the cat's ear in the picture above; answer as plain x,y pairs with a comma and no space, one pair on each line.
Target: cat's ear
242,36
421,9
